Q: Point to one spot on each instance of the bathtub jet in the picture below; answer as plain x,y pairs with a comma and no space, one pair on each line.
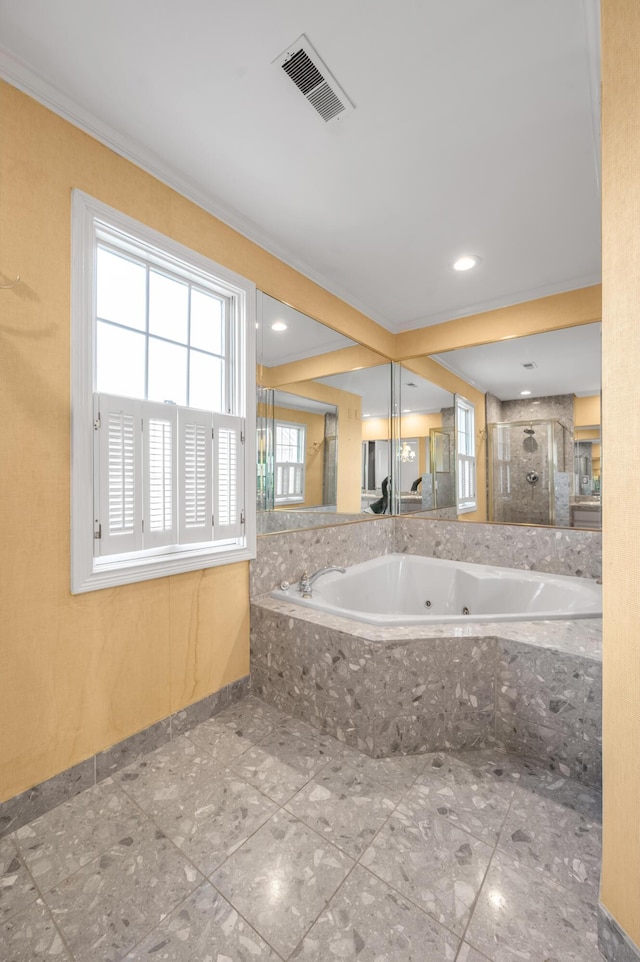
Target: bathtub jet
399,589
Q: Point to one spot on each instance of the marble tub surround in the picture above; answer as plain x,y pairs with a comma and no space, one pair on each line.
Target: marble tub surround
532,688
179,858
285,556
562,551
48,795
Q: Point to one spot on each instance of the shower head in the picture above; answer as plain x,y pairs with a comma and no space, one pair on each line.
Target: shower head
529,431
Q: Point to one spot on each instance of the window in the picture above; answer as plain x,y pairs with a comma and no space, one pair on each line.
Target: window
163,398
466,455
289,462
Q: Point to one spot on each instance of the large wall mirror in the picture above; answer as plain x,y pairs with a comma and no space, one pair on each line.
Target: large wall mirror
344,434
542,430
317,391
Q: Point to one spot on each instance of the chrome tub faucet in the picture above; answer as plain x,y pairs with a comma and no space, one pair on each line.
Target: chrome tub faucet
306,581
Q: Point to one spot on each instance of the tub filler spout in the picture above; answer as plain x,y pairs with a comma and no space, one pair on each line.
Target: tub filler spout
306,581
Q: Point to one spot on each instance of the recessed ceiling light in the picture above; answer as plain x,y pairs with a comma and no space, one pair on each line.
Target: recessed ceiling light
279,326
524,393
406,410
465,262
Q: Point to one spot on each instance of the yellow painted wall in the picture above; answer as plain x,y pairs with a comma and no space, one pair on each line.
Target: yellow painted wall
620,891
79,673
570,309
314,445
586,410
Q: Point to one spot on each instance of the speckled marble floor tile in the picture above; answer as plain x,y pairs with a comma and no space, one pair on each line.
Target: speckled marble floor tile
109,905
204,927
281,879
467,953
345,806
471,799
17,889
522,914
31,936
281,764
370,922
558,841
167,774
430,861
396,772
237,729
211,821
57,844
527,775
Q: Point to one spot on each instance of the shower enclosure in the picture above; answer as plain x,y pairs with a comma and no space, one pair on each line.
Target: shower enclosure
529,472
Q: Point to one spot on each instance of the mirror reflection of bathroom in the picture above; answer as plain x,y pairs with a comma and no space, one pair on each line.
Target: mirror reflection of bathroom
309,426
427,456
542,400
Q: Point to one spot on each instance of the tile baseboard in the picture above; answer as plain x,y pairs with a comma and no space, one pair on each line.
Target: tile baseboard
613,941
41,798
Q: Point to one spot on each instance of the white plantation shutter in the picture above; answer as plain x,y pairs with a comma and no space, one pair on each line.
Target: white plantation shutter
118,499
196,494
228,477
159,428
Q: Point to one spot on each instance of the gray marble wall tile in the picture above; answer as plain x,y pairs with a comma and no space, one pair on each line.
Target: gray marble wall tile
471,730
268,522
186,719
284,556
613,941
540,687
551,748
40,799
28,805
125,752
562,551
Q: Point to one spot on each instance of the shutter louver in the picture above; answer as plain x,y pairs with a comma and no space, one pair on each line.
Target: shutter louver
195,475
160,480
228,476
119,476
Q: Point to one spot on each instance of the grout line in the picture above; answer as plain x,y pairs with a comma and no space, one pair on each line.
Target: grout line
42,898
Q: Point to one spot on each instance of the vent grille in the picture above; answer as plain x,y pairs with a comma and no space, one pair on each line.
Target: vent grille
529,365
304,67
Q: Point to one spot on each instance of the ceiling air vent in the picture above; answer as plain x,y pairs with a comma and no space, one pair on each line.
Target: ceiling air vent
529,365
312,77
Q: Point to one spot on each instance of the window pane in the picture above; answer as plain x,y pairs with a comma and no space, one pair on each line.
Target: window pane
120,367
168,307
121,290
206,382
206,322
167,372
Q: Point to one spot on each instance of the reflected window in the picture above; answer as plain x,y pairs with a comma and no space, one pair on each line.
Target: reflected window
289,462
466,455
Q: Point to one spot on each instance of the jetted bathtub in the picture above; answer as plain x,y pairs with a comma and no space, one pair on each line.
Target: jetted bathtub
399,589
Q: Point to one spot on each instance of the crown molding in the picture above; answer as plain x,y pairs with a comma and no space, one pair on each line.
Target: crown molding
17,73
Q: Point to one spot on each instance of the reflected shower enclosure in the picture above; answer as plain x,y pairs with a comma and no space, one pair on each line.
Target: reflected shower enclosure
529,472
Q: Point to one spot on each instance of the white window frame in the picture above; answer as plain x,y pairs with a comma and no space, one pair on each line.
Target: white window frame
297,498
466,494
88,571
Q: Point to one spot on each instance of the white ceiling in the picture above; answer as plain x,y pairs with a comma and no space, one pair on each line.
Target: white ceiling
302,338
373,384
566,362
475,129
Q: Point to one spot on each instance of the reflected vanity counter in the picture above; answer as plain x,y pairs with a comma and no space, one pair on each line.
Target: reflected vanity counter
528,687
